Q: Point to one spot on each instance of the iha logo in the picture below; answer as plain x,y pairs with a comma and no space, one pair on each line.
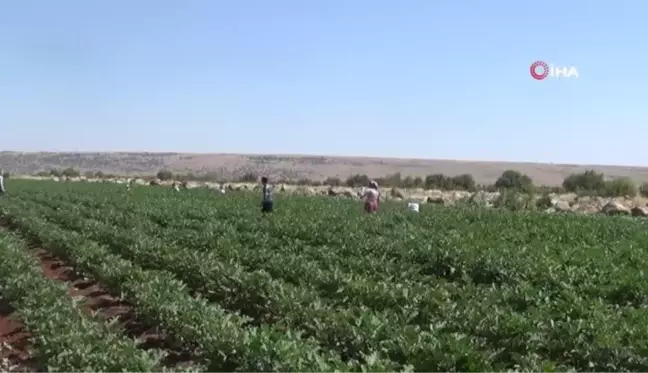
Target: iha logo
541,70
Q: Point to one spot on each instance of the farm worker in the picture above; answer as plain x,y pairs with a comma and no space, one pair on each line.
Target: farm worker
266,202
372,197
2,188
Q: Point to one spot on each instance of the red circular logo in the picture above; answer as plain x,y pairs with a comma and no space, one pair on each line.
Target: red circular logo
539,65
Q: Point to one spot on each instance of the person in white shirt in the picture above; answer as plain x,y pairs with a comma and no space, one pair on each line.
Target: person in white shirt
372,197
2,188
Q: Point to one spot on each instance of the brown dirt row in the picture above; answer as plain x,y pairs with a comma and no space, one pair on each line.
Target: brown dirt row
95,298
14,342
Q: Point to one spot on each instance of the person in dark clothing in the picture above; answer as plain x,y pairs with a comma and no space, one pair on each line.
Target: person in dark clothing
267,202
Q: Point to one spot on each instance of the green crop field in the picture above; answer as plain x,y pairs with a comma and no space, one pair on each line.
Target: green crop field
209,284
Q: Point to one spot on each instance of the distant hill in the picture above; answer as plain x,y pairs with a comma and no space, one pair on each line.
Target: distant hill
293,166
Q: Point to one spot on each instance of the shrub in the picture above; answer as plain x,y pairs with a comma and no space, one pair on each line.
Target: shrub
305,182
545,189
544,202
594,183
70,172
435,181
643,189
357,180
165,175
333,181
463,182
514,200
248,177
620,187
588,181
514,180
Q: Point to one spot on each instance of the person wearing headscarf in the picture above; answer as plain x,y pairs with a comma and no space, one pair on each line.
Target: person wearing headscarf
372,197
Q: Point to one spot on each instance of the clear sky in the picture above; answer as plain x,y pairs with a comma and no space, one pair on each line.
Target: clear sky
408,78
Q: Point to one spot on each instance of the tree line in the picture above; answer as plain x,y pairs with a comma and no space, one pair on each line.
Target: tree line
586,183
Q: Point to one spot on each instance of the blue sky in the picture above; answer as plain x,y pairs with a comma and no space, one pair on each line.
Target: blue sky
410,78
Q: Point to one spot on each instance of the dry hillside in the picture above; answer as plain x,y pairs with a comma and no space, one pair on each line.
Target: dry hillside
294,166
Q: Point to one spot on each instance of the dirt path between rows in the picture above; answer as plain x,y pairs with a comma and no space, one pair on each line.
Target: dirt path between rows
106,305
14,342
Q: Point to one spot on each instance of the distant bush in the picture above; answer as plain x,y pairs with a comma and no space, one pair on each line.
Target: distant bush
643,189
459,182
435,181
514,180
165,175
514,200
620,187
463,182
332,181
544,202
70,172
594,184
411,182
357,180
305,182
249,177
546,189
588,181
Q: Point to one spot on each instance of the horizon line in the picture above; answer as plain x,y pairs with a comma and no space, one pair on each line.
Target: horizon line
297,155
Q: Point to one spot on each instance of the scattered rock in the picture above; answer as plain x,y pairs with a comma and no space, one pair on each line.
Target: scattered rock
639,211
562,206
349,193
341,192
549,203
482,198
615,208
397,193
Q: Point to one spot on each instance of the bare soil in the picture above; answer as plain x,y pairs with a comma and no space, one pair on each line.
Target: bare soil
108,306
296,166
15,342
